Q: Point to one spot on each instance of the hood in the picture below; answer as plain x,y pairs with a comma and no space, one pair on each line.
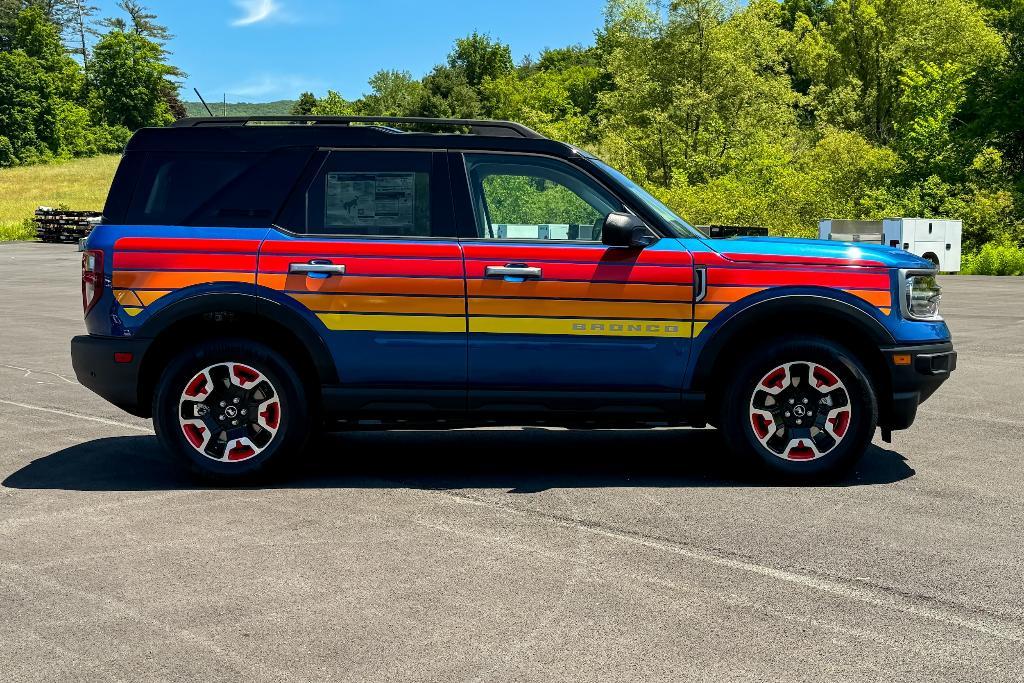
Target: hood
823,252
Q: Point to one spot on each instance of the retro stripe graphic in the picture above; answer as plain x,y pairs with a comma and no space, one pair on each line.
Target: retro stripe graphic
584,291
431,287
388,286
145,269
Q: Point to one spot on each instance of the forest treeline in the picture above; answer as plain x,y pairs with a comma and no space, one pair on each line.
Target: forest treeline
774,113
73,84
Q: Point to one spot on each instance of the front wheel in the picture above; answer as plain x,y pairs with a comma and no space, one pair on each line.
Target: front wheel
231,409
802,407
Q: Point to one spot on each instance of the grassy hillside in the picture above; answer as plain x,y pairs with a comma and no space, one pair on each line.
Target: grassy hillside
79,185
279,108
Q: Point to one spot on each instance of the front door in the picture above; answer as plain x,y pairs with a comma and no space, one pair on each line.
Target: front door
369,256
557,320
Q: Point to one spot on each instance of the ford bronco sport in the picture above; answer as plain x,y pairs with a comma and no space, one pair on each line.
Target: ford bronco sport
255,279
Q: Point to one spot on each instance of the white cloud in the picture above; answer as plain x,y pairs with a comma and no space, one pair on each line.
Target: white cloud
271,86
256,11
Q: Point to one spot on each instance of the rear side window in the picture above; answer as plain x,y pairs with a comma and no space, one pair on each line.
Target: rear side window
220,189
373,194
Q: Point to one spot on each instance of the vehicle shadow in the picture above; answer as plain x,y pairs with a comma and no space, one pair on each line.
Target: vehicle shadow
523,460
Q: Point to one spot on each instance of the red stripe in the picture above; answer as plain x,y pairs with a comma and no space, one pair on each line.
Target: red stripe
809,260
781,278
152,261
597,272
575,254
188,244
407,267
360,248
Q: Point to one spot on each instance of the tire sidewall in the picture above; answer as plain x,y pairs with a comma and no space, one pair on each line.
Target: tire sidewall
739,431
295,421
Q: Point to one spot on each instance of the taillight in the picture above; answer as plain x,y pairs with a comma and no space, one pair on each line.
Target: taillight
92,279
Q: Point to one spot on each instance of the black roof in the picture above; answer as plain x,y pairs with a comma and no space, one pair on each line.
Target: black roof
266,133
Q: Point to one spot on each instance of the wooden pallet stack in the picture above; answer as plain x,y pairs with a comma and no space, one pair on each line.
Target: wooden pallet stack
61,225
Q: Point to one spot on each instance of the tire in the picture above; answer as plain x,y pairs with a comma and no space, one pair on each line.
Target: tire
827,421
207,389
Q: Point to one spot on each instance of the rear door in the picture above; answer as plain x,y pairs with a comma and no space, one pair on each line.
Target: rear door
557,320
368,253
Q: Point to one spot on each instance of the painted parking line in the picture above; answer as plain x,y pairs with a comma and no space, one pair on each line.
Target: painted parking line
79,416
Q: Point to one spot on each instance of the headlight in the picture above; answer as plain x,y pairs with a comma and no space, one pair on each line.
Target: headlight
922,295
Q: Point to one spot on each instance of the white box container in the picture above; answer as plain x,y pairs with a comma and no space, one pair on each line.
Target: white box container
937,239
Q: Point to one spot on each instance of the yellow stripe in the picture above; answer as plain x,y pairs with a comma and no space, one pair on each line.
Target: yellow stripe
698,328
355,322
133,311
581,326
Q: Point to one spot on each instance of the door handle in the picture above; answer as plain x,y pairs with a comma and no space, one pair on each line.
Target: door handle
519,270
317,268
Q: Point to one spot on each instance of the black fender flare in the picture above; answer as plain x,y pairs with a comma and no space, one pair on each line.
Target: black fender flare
774,307
248,304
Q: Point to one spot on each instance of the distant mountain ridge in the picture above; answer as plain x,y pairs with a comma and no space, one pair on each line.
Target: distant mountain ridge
278,108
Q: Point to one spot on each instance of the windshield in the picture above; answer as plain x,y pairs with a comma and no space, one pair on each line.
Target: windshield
678,225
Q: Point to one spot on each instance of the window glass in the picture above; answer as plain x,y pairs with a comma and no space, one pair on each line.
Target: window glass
527,197
173,186
679,226
372,193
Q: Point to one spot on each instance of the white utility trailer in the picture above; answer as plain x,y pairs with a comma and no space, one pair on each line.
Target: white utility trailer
936,239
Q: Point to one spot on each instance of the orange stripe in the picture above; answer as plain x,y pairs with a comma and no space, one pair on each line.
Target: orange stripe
130,279
149,297
731,294
580,290
351,284
872,297
579,309
127,297
333,303
708,311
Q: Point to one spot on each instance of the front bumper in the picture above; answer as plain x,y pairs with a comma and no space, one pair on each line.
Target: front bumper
912,383
114,378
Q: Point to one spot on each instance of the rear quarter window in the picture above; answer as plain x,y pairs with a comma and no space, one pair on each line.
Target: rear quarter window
214,189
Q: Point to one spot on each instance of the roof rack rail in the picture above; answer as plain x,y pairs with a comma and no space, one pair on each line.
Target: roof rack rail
476,126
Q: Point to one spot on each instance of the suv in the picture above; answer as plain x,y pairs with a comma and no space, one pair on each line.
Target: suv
256,279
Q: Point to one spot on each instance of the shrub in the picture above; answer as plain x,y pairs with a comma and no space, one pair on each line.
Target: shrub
995,259
26,230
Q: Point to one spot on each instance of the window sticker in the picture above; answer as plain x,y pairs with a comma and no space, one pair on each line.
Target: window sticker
371,200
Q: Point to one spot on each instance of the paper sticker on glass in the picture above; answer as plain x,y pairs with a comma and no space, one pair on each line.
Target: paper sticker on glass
374,203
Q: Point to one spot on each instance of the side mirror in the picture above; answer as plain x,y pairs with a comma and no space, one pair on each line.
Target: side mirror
626,230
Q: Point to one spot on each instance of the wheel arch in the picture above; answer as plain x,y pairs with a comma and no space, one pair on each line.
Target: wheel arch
232,315
810,314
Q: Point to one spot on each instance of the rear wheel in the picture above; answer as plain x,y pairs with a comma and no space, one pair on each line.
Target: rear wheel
231,409
801,407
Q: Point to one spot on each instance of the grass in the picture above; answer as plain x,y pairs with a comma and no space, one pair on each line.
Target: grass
995,259
79,185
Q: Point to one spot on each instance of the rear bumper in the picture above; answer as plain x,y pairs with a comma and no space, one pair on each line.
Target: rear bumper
118,382
911,385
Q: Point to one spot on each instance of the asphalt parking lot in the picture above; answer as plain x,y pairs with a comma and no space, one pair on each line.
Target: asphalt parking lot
493,555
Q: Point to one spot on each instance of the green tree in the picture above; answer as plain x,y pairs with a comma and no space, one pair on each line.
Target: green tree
332,105
479,57
393,93
130,81
693,86
855,53
304,105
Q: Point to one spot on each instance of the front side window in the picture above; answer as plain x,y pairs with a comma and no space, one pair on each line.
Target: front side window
373,194
536,198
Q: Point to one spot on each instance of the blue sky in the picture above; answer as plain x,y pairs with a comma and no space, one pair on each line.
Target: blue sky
263,50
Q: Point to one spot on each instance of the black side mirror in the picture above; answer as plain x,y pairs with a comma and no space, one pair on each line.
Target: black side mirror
626,230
